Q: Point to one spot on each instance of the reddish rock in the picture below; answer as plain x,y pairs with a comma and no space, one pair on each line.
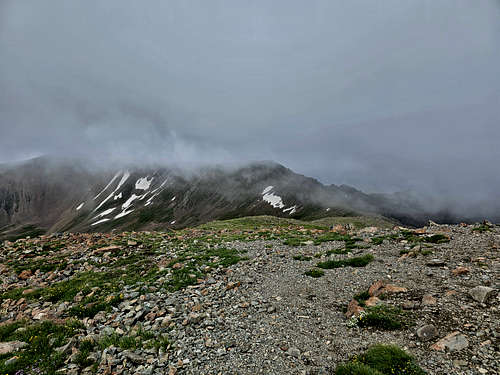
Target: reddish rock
390,288
453,342
353,309
428,300
177,266
460,271
376,288
372,301
26,274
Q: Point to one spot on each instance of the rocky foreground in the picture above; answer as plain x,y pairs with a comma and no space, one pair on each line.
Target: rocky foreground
250,296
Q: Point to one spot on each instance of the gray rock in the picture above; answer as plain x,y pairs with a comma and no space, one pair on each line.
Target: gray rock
133,357
481,293
427,332
11,361
294,352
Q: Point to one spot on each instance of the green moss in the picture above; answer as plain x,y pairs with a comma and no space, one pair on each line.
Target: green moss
362,297
482,228
302,258
356,368
42,339
314,273
383,317
390,359
361,261
437,238
378,240
381,360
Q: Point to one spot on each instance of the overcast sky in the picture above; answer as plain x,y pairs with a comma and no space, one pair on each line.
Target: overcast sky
382,95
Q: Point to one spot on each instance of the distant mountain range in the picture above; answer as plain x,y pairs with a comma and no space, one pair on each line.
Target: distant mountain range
53,195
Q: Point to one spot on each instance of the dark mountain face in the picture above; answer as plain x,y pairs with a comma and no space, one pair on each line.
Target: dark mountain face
52,195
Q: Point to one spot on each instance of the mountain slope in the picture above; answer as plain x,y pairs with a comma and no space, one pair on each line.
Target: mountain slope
47,195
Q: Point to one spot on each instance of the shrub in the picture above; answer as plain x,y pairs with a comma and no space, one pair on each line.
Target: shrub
314,273
361,261
389,359
381,360
382,317
355,368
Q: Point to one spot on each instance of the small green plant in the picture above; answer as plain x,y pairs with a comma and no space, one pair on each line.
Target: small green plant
378,240
302,258
337,251
361,261
482,228
381,360
293,241
382,317
362,297
314,273
356,368
437,238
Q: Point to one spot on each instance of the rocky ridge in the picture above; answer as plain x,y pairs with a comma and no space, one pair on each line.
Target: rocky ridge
233,297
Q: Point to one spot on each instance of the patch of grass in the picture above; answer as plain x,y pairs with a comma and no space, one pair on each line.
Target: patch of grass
302,258
390,359
361,261
332,236
437,238
337,251
84,349
381,360
362,297
124,342
314,273
482,228
382,317
293,241
356,368
378,240
39,356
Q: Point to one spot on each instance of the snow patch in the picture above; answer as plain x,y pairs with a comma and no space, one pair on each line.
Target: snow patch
104,201
80,206
143,183
292,210
104,213
100,221
122,214
273,200
328,209
267,190
173,199
119,196
108,185
125,177
129,201
172,222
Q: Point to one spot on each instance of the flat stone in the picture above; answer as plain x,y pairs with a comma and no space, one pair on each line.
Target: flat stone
428,300
353,309
372,301
453,342
427,332
435,263
481,293
293,352
11,346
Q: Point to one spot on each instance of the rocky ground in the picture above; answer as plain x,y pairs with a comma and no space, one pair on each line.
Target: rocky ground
233,298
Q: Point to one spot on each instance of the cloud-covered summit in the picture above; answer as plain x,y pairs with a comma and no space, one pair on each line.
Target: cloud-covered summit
381,95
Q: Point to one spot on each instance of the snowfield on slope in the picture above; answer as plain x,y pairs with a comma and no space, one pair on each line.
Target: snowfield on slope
271,198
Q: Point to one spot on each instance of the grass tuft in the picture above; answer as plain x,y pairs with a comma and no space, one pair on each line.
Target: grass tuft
361,261
314,273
